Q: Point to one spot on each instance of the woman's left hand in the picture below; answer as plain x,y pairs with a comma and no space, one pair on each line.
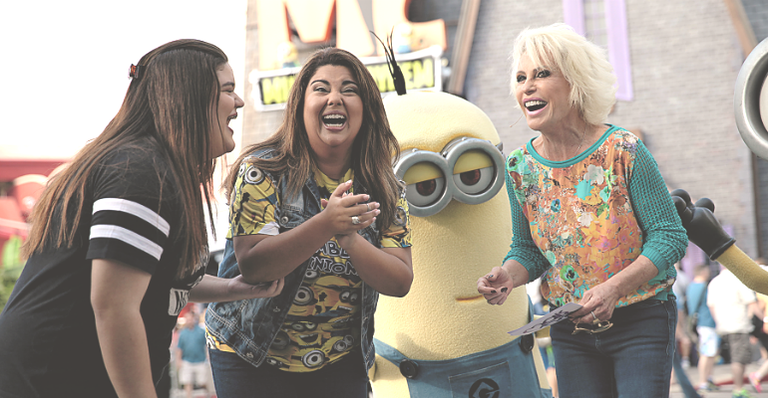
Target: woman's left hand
346,213
598,303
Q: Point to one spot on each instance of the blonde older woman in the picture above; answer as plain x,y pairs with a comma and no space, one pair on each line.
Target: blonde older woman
591,212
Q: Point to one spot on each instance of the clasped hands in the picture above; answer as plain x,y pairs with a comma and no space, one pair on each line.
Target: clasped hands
348,213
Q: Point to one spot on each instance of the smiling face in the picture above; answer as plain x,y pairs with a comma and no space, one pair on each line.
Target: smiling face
543,94
333,111
222,140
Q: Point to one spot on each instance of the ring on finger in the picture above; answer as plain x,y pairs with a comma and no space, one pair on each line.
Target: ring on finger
595,320
367,207
355,220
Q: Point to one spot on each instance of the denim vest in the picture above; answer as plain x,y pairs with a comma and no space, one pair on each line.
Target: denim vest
250,326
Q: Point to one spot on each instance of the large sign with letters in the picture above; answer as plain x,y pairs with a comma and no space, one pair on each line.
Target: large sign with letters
313,21
421,69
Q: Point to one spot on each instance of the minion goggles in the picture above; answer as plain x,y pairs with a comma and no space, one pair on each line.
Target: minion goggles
475,165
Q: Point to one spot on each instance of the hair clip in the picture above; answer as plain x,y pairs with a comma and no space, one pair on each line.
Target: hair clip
135,72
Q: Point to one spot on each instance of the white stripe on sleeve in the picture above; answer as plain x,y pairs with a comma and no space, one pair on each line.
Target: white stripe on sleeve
136,209
127,236
271,228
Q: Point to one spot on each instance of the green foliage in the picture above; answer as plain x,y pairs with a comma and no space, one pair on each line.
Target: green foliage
10,268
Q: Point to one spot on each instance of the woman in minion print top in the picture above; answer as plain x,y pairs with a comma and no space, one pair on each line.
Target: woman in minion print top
318,204
591,212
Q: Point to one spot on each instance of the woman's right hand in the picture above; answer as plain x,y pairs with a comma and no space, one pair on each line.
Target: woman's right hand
496,285
237,286
342,206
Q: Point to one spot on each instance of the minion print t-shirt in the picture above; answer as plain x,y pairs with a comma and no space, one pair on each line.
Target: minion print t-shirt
323,324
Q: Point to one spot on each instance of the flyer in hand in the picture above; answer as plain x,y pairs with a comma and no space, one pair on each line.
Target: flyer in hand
546,320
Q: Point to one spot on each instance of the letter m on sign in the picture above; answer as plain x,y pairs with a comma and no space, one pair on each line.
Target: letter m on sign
313,20
314,24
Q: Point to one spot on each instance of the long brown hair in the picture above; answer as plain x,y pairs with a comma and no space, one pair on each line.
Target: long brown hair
373,150
173,100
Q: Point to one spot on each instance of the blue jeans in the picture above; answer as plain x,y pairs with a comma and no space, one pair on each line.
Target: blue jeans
233,377
633,359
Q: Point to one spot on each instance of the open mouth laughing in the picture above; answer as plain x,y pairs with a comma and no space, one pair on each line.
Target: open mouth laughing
230,118
535,105
334,120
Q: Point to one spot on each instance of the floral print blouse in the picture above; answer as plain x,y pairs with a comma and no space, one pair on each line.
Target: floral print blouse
585,219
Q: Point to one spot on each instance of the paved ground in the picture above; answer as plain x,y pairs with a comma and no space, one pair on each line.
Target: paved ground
721,373
722,377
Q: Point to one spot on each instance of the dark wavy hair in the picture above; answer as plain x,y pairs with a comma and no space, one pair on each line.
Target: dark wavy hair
373,150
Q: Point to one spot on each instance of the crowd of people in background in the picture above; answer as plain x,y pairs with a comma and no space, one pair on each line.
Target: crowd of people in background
720,321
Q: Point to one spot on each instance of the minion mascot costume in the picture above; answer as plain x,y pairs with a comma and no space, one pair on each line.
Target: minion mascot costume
751,107
443,339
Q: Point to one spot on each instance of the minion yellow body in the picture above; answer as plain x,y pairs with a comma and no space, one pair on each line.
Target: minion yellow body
455,241
744,268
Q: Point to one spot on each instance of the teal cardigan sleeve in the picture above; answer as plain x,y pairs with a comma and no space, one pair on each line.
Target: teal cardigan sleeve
664,238
522,248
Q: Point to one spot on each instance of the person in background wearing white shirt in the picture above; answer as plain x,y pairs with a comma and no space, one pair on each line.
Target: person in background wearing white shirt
732,305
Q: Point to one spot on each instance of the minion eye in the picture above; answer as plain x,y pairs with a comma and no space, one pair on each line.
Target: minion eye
253,175
304,296
474,172
468,177
474,181
313,359
340,346
400,217
426,188
425,193
426,184
281,341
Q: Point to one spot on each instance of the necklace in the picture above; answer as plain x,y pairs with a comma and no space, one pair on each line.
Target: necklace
578,149
583,134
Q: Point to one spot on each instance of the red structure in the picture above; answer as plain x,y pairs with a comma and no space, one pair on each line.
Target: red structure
28,179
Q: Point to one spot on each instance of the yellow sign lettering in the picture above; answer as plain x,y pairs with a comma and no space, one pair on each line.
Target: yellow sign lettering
383,78
421,71
274,90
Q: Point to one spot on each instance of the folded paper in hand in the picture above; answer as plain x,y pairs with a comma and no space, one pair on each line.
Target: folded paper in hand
550,318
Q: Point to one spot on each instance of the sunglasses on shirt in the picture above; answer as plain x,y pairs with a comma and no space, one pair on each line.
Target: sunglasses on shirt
592,328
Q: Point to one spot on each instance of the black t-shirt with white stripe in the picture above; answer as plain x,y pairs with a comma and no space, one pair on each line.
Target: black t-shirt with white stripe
48,342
